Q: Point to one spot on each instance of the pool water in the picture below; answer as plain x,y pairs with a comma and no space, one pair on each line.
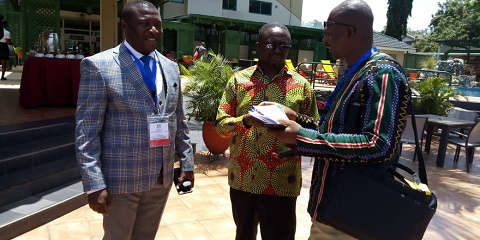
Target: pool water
472,92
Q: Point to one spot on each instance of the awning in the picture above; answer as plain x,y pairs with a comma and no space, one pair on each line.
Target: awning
460,43
243,25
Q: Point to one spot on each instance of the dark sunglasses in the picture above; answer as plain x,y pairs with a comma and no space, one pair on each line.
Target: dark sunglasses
326,23
271,46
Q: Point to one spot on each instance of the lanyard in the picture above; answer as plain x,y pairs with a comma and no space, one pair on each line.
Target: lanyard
350,71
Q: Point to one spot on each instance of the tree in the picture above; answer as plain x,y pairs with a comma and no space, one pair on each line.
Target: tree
418,32
456,20
315,24
426,44
397,18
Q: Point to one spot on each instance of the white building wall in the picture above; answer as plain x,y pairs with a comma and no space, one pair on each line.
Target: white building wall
214,8
398,55
173,9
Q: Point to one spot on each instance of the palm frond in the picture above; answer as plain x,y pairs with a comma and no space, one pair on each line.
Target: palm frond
434,96
209,76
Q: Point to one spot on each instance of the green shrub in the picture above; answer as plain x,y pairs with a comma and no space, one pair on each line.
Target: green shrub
434,95
429,62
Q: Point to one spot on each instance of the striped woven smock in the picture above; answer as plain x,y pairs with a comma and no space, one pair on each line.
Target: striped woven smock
379,124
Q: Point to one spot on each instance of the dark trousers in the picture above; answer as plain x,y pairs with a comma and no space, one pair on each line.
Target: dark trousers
276,216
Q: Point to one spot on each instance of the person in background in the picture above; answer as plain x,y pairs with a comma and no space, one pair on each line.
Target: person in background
199,51
320,72
130,127
305,63
263,186
365,115
304,68
340,68
4,50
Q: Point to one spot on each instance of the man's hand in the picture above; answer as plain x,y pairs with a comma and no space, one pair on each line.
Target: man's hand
292,115
289,134
99,201
249,121
186,176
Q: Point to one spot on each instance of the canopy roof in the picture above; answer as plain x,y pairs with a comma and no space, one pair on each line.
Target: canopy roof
243,25
460,43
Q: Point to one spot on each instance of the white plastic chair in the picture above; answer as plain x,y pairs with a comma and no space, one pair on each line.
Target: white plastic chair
470,141
408,136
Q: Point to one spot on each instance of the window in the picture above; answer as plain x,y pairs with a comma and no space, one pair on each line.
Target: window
260,7
177,1
230,4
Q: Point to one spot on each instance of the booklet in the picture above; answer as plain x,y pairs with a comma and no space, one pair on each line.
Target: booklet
269,114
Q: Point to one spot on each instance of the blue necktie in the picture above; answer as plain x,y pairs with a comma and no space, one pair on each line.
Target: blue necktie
149,79
146,63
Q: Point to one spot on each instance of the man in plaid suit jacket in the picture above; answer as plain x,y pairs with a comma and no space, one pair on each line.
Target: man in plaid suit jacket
128,133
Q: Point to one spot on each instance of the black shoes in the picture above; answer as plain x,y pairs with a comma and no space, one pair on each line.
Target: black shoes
3,78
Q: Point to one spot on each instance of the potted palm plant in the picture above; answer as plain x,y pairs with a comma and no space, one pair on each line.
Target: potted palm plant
208,77
434,95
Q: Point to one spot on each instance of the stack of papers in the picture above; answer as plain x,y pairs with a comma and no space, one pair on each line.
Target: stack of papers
269,114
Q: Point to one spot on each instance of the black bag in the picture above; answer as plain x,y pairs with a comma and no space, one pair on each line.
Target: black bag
370,203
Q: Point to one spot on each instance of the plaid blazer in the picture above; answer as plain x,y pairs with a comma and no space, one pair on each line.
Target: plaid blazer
112,139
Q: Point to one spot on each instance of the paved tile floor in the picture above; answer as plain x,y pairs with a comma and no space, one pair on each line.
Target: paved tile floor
206,213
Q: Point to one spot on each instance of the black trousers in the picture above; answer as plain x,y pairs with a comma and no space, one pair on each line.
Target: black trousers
276,216
4,51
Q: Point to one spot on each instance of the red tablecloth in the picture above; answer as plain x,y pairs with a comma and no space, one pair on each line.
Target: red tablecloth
49,82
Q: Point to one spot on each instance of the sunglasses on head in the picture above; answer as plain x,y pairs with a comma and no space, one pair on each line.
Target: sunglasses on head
327,23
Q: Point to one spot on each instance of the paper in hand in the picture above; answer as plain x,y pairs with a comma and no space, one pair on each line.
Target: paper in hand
269,114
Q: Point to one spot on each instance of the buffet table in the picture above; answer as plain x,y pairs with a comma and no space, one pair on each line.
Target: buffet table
49,82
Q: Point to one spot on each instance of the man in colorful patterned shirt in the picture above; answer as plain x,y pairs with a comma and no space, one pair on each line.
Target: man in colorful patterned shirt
263,186
365,115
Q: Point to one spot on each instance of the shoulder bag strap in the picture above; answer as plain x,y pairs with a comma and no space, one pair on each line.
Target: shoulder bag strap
421,164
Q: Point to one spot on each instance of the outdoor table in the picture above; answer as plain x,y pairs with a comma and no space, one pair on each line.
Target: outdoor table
445,124
49,82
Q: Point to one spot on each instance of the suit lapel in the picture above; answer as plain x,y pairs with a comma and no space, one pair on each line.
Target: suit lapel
132,74
170,82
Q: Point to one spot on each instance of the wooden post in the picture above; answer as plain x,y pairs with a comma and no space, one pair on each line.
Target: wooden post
109,23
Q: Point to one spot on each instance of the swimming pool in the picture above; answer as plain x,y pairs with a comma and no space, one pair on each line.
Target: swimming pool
472,92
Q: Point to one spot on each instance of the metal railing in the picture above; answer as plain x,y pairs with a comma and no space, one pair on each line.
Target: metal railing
416,74
312,74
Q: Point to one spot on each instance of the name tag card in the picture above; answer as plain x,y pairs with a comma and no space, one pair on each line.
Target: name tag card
158,131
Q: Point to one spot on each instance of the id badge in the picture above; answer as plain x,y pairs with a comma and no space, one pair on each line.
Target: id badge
158,131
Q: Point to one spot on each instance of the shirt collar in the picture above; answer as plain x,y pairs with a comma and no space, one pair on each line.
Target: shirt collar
136,53
284,70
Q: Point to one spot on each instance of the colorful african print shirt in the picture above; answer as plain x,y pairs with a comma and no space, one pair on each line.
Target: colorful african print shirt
253,166
379,124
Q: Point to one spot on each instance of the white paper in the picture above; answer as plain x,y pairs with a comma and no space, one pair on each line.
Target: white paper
269,114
